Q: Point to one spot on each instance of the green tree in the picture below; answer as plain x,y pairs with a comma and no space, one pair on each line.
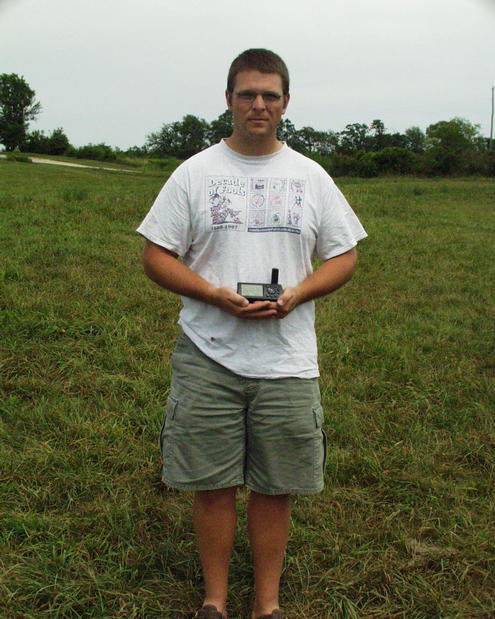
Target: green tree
17,108
366,165
99,152
35,142
353,138
378,134
180,139
452,146
314,141
395,160
193,133
58,142
220,128
55,144
286,132
415,140
165,141
310,138
137,151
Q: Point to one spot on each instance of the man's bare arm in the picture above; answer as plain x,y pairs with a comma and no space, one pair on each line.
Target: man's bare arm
329,276
163,267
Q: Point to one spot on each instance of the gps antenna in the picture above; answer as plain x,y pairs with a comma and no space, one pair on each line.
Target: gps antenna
274,276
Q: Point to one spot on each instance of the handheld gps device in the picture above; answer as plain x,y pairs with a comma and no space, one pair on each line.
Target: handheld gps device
261,292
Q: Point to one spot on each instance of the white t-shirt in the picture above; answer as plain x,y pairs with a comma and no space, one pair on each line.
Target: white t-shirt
232,218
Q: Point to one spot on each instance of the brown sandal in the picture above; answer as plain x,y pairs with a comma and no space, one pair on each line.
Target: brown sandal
208,612
276,614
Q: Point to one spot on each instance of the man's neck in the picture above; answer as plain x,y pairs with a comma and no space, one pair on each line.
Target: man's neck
254,148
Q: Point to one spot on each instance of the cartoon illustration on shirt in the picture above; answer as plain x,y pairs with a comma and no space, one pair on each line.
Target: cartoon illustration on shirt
258,200
256,219
293,218
255,204
258,184
278,185
296,186
276,201
221,212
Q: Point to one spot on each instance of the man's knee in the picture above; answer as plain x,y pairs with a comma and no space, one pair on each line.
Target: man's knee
213,499
270,502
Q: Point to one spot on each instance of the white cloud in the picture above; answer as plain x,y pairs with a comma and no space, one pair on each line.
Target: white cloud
116,70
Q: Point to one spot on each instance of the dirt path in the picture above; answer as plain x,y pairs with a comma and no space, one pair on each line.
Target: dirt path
75,165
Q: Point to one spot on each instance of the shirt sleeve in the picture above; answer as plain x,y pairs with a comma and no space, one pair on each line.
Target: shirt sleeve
340,229
168,222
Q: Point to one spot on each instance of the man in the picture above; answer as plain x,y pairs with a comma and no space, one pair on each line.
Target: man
244,404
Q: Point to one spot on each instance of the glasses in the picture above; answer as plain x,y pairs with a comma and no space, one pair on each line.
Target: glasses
249,96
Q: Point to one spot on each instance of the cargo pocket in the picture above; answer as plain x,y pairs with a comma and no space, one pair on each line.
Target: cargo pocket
320,444
170,410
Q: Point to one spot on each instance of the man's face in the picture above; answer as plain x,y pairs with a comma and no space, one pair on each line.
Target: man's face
257,104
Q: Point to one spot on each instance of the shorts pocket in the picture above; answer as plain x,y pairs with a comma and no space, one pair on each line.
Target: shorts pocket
288,455
170,411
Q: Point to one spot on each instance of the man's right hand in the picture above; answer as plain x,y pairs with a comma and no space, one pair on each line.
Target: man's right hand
228,300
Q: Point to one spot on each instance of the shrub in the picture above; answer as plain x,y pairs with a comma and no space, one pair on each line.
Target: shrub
16,155
58,142
395,160
99,152
55,144
489,163
339,164
366,165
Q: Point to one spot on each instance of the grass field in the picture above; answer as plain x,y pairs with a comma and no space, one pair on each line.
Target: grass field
406,525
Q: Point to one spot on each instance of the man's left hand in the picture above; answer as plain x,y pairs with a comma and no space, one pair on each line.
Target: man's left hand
287,301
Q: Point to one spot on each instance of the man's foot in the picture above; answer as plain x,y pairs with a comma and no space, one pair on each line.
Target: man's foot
209,612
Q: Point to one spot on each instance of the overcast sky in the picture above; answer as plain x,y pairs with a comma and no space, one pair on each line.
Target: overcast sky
115,70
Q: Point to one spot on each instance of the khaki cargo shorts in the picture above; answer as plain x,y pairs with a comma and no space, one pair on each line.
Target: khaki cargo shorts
222,430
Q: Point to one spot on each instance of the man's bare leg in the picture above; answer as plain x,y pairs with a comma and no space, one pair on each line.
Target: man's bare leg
268,527
215,518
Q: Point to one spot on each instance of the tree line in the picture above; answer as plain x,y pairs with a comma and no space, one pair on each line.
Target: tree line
448,147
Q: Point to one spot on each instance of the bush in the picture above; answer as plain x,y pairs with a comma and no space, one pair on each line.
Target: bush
35,142
339,164
98,152
489,163
16,155
395,160
58,142
454,147
55,144
136,151
366,165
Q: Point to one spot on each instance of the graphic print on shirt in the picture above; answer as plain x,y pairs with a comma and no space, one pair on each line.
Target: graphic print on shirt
226,199
255,204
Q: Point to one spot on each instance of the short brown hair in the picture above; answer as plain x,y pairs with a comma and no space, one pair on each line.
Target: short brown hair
262,60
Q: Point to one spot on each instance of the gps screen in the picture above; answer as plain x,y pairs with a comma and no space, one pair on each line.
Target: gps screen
252,290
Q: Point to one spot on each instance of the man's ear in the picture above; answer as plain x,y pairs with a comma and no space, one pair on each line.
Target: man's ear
228,98
286,102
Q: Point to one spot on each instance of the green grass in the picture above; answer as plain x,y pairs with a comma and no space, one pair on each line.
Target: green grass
405,526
